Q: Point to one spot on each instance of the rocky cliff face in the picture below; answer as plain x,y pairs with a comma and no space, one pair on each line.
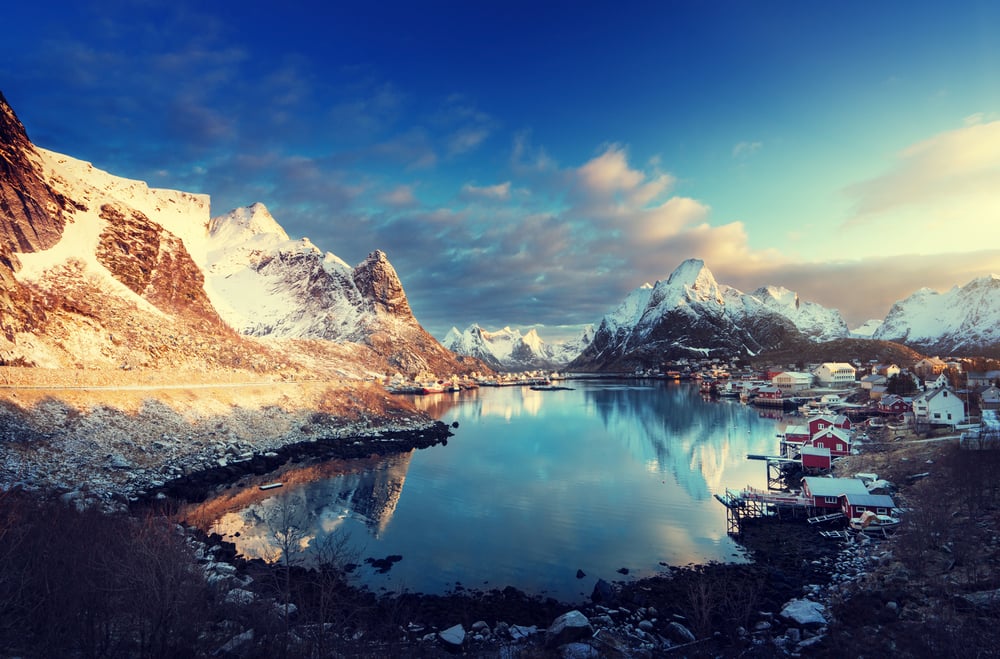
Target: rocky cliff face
377,280
32,214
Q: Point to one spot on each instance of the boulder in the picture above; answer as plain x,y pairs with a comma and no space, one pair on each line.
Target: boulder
579,651
520,632
568,627
804,612
453,637
603,593
678,633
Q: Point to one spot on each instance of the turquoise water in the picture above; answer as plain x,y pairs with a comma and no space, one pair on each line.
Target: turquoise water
534,486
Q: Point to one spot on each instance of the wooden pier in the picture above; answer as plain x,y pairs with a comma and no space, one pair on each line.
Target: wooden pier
751,503
775,468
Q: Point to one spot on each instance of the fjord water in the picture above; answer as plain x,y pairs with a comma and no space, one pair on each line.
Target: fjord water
533,486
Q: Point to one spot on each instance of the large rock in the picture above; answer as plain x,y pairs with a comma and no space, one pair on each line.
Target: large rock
804,612
567,628
678,633
453,637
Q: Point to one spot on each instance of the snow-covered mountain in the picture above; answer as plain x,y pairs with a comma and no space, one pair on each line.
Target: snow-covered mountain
965,319
812,319
692,315
867,329
101,271
509,350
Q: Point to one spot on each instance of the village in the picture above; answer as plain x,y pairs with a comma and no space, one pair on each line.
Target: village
832,411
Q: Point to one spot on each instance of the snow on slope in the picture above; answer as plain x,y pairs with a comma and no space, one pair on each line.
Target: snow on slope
964,318
814,320
867,329
263,283
178,212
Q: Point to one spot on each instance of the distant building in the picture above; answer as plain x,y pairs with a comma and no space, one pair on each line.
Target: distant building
790,381
835,374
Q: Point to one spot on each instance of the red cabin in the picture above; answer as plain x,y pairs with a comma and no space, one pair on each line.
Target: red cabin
833,438
827,492
893,404
815,460
855,504
824,421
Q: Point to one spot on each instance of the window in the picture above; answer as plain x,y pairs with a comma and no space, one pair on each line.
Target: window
830,499
882,511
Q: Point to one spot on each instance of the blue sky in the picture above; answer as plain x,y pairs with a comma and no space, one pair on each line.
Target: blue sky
528,164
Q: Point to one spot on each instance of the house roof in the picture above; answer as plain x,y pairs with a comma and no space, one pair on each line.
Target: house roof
833,487
815,450
796,430
872,500
833,430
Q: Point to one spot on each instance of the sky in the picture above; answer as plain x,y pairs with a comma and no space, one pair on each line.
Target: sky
527,164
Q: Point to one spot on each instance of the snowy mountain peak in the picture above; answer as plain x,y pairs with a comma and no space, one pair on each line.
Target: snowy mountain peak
242,224
966,318
693,273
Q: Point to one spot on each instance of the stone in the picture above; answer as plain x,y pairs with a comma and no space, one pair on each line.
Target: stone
240,596
678,633
568,627
579,651
520,632
794,634
233,645
645,625
603,592
803,612
480,626
453,636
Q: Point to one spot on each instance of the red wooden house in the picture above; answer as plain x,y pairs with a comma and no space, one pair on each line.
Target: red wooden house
826,492
854,504
815,460
833,438
824,421
893,404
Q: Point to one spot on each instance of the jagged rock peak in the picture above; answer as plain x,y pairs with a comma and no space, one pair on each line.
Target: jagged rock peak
377,280
33,213
252,220
693,273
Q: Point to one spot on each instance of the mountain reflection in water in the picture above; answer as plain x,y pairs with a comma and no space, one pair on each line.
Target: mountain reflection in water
533,486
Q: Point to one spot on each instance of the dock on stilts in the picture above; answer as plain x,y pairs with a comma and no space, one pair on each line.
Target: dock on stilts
750,503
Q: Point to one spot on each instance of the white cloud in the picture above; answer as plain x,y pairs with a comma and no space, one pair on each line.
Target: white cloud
400,197
500,191
746,149
956,169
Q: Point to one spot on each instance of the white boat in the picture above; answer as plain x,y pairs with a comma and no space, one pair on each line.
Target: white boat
870,522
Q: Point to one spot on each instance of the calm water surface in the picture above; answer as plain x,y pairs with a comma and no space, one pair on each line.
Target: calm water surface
533,486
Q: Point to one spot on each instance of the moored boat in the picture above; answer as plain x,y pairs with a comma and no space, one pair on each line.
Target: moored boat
870,522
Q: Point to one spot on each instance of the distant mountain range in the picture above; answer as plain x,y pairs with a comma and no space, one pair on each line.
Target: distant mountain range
508,350
691,315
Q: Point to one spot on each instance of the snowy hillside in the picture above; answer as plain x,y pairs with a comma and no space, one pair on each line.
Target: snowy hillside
965,319
867,329
814,320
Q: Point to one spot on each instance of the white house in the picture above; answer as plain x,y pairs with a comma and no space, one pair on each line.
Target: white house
941,407
873,380
940,381
835,374
792,381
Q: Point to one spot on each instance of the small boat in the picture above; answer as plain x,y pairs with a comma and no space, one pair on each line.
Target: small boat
869,522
